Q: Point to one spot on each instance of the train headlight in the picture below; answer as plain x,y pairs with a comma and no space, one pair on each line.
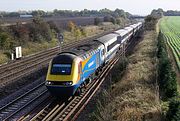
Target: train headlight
48,83
68,83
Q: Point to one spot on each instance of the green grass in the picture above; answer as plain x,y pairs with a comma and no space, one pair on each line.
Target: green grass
170,27
3,57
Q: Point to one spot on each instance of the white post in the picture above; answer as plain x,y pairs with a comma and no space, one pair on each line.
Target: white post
12,56
18,52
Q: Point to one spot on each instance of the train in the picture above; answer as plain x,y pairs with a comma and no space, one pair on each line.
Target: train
72,70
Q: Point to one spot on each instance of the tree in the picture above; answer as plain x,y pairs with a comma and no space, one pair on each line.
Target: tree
173,113
105,11
53,26
71,26
83,32
150,22
113,20
107,19
157,13
97,21
40,30
172,13
5,41
77,33
38,13
20,33
120,13
69,13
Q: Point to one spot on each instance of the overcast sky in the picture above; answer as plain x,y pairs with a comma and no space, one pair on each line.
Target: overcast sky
140,7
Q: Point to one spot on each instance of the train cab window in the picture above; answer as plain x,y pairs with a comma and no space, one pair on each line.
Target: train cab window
61,69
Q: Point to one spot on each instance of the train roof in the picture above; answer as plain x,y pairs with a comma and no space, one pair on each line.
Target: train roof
133,26
121,32
85,48
107,38
139,23
128,28
63,57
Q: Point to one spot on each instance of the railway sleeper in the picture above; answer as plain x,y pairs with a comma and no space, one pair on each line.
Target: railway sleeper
66,112
63,115
13,108
5,112
43,114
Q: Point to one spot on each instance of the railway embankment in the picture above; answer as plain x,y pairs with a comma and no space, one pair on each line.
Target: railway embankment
132,92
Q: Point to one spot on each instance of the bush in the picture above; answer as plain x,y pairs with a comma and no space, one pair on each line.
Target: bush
71,26
167,77
5,41
97,21
110,19
53,26
3,58
118,70
83,32
150,22
167,82
107,19
121,21
173,113
113,20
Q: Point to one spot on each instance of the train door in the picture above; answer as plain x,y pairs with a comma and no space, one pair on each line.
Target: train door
80,71
101,54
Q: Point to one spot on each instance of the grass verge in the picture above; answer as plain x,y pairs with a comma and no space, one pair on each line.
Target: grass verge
135,96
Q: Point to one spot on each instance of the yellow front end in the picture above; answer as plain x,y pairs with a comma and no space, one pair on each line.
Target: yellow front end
74,76
64,85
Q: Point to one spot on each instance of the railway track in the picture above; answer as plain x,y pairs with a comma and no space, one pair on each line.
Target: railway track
13,71
66,110
11,110
70,109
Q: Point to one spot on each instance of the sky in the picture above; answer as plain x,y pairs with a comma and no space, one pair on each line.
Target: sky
138,7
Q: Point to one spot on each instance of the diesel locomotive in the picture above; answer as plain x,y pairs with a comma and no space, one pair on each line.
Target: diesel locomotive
69,71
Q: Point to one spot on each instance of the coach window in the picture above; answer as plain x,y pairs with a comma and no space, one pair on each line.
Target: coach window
119,39
112,45
125,36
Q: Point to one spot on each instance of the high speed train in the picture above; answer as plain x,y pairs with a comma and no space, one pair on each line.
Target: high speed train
70,71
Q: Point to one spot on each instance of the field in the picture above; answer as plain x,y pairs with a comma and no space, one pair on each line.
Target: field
59,21
170,27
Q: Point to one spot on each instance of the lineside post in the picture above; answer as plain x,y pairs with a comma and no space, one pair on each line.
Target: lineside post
60,38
